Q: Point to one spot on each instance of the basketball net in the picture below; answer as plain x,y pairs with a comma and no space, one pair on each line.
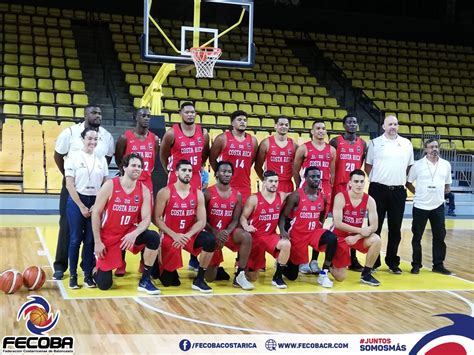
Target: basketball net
204,59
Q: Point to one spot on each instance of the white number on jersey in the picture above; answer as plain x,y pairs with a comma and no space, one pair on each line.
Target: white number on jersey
350,167
125,220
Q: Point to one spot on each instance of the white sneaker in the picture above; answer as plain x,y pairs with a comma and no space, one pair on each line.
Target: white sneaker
242,282
323,280
305,269
313,265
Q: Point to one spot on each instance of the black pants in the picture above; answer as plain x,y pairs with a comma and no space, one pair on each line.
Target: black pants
391,202
436,218
61,259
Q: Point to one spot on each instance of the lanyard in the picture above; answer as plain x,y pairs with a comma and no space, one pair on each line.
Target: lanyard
89,172
432,174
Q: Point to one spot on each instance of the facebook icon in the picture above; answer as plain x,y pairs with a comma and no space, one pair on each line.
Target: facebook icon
185,345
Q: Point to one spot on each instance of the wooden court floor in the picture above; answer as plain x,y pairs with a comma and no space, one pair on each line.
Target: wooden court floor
313,311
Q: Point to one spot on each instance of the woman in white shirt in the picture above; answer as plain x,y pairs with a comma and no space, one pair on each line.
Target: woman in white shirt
85,173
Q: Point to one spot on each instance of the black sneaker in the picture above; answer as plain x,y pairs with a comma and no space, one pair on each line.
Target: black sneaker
369,280
395,270
415,270
58,275
222,275
356,266
279,283
89,282
201,285
442,270
73,283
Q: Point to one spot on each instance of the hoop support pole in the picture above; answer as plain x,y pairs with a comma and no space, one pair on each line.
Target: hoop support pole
154,92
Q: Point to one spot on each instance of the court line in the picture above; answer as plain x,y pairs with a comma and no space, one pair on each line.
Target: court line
217,325
469,303
40,235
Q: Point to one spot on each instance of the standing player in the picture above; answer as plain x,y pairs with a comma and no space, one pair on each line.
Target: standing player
350,154
323,156
277,153
224,207
144,143
239,148
260,218
120,218
180,213
350,208
307,205
185,141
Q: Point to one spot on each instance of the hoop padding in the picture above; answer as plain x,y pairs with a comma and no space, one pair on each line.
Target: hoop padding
204,59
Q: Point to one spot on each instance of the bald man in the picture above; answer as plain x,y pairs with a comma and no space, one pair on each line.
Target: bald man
389,158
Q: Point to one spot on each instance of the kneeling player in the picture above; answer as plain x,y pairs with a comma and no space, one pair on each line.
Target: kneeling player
120,218
349,210
260,218
308,206
224,207
180,214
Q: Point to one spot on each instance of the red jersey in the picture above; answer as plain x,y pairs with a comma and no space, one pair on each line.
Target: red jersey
122,212
306,215
180,213
280,160
187,148
319,158
221,210
348,158
146,149
265,216
352,215
240,155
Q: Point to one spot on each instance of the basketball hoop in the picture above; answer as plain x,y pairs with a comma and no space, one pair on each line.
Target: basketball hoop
204,59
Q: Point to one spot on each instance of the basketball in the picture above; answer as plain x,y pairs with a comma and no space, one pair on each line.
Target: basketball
11,281
33,278
39,317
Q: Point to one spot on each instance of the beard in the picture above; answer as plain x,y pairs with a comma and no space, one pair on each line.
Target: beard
183,180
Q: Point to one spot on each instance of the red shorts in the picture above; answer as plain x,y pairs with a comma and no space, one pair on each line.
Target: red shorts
300,244
343,252
260,245
218,257
113,256
285,186
336,189
171,258
195,179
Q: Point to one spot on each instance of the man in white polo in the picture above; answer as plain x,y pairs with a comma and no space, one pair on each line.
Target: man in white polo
389,158
70,140
433,179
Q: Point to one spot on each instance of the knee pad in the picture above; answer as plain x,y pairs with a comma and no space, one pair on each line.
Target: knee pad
103,279
207,242
291,271
152,240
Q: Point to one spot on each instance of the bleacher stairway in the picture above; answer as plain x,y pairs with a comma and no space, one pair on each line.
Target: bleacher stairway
96,53
332,77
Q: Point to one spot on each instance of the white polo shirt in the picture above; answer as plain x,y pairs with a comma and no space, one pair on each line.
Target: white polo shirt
389,159
430,180
88,171
70,140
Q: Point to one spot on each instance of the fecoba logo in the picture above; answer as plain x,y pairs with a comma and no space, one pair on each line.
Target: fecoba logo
39,320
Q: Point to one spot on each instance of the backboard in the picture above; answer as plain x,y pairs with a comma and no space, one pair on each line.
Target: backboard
226,24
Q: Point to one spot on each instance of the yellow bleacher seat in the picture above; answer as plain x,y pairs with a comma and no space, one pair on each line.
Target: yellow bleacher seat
80,99
47,111
65,112
43,72
11,95
78,86
11,109
136,90
11,82
223,120
63,99
61,85
27,71
469,145
45,84
75,74
29,96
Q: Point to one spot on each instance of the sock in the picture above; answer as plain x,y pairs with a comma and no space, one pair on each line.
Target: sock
315,255
326,265
146,272
201,272
366,270
239,269
279,271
